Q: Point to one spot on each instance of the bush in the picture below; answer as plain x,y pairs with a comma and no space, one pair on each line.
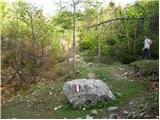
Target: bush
127,58
146,68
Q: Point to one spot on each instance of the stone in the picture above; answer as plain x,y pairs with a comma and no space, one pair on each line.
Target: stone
58,107
125,112
141,114
91,76
89,117
118,94
126,73
112,108
131,103
50,93
87,91
113,116
79,118
33,93
28,101
94,112
131,80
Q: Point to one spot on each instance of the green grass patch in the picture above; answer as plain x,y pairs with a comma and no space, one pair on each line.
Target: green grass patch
101,71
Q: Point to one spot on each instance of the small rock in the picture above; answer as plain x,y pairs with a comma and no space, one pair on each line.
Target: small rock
141,114
118,94
61,92
126,73
58,107
105,118
131,103
113,116
119,68
89,117
34,93
94,112
112,108
55,108
131,114
131,80
79,118
50,93
9,100
29,106
125,112
91,76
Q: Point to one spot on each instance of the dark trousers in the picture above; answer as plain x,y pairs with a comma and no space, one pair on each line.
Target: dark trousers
145,54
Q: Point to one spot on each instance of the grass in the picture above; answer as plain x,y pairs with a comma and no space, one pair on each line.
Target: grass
102,71
42,105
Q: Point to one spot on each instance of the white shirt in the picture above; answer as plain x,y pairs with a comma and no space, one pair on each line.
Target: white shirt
147,43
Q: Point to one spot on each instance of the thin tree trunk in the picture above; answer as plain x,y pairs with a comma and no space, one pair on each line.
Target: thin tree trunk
74,26
99,51
134,42
99,45
129,49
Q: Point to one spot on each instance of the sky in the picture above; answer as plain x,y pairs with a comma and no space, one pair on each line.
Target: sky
49,6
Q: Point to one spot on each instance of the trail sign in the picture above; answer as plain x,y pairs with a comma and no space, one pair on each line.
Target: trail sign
77,88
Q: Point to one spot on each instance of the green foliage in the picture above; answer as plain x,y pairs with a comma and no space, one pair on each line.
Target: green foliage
28,41
146,68
128,35
64,19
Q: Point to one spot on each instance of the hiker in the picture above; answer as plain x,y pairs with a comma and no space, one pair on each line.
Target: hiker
147,44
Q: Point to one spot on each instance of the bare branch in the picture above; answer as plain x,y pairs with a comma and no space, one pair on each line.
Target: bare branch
115,19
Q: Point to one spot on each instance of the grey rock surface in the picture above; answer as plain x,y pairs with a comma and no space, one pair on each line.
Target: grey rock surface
112,108
94,112
89,117
89,91
113,116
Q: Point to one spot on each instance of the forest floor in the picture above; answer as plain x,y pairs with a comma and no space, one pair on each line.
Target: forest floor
134,98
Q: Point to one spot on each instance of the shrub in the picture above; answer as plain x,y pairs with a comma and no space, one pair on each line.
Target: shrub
146,68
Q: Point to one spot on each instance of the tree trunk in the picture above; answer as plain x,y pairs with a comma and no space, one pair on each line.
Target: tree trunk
134,42
99,52
74,30
99,45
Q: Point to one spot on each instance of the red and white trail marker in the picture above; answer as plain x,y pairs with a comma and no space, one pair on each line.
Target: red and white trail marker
77,88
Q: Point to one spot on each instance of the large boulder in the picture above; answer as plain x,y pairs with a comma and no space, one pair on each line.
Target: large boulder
87,91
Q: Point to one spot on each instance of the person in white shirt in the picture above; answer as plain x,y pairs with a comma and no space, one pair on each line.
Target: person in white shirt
147,45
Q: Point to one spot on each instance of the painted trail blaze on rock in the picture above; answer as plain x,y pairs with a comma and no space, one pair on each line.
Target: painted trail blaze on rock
77,88
87,91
